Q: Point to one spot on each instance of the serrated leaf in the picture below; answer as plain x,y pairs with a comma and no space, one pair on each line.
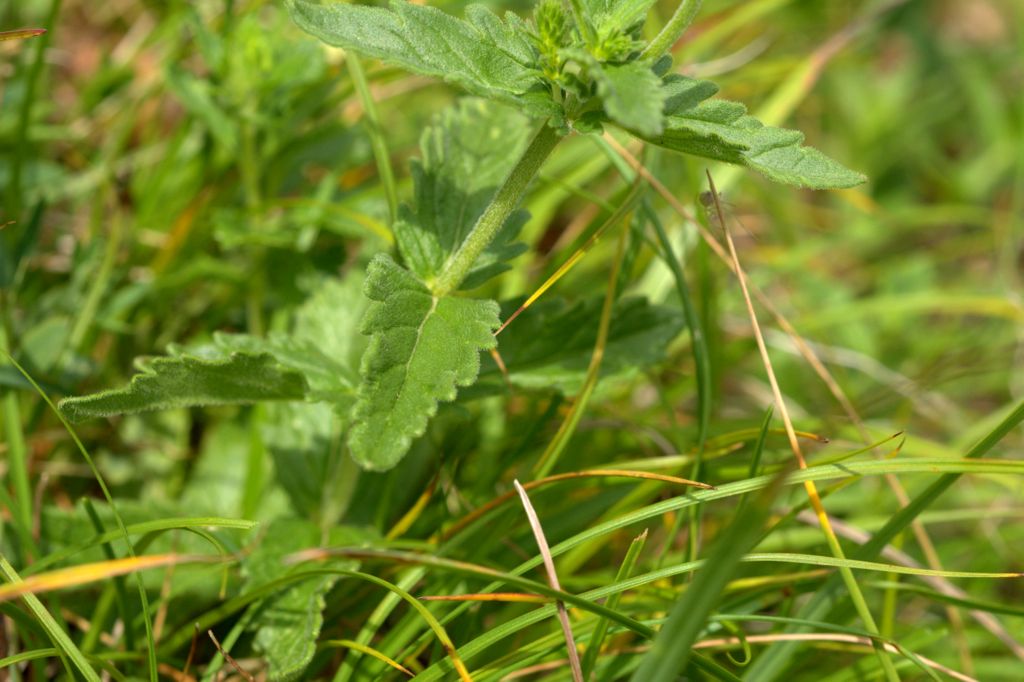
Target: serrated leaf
289,622
187,380
683,92
422,348
466,155
551,343
511,36
632,96
721,130
316,360
484,55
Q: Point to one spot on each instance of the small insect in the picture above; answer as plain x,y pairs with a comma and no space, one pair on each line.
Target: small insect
714,211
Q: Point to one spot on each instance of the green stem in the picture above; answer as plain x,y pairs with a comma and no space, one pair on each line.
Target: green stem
673,30
377,141
505,201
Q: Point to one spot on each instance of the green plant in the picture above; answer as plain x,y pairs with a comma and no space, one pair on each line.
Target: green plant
208,179
574,72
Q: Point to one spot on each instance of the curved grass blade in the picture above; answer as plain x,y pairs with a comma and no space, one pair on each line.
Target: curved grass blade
146,528
143,599
369,629
369,651
428,617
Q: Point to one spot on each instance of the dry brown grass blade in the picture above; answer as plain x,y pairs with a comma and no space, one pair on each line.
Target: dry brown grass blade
549,566
227,657
780,404
827,637
191,650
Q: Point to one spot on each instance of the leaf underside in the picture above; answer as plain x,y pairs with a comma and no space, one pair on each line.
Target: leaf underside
188,380
466,155
422,348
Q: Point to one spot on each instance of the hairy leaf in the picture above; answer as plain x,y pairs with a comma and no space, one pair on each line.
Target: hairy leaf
551,343
322,344
722,130
484,55
466,154
421,349
289,621
632,95
187,380
316,360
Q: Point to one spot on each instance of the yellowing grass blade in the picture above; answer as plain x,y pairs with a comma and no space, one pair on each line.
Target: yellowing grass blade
362,648
95,572
21,33
490,596
575,258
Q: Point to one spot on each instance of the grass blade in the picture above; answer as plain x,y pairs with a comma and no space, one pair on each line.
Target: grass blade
549,566
625,571
772,663
672,647
53,629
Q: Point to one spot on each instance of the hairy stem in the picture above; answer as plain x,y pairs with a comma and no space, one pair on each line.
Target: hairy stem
673,30
505,201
